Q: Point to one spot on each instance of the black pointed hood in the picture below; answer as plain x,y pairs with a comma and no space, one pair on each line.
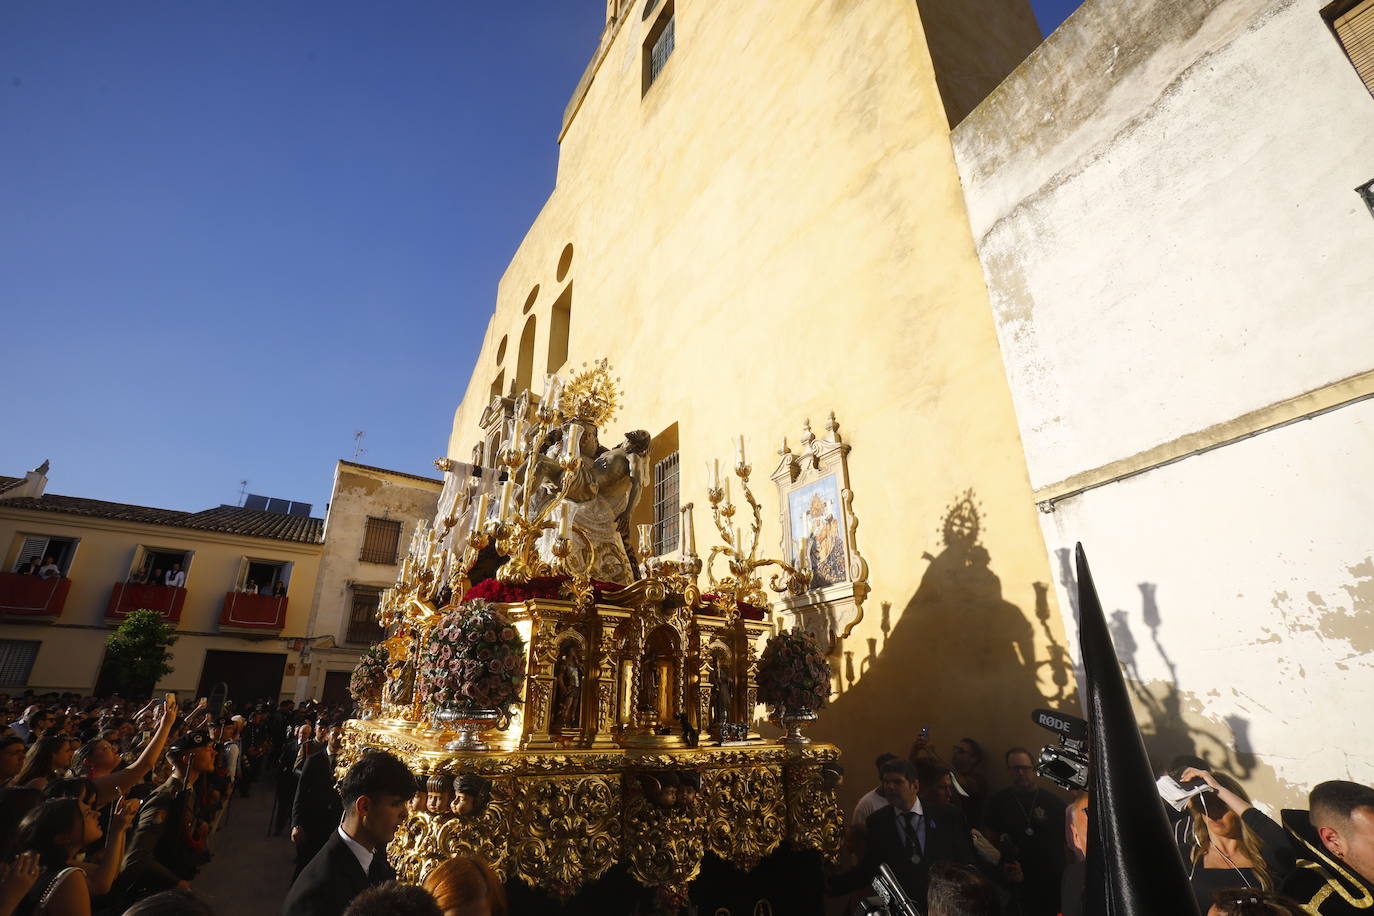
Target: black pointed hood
1133,867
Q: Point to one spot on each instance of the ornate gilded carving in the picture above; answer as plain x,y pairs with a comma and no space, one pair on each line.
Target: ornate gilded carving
570,831
746,817
663,846
814,818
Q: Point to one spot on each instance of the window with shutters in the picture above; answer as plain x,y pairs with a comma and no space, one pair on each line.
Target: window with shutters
665,505
380,540
16,661
362,618
41,547
1353,23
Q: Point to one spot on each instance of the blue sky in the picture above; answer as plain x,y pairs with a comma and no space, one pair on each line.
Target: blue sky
233,234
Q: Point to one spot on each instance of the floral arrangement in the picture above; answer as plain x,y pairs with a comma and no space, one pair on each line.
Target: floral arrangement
793,672
369,677
474,658
539,587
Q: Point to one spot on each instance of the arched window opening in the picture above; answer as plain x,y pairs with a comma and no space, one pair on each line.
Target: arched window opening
524,365
559,324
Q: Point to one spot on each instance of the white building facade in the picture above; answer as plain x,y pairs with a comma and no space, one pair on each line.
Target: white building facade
1165,201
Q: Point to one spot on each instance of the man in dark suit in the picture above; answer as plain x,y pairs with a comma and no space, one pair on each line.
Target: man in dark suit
908,835
374,793
317,808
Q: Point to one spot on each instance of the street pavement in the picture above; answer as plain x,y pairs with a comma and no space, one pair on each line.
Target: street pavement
251,871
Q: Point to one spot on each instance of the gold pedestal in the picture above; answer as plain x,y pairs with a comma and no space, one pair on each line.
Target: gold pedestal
560,820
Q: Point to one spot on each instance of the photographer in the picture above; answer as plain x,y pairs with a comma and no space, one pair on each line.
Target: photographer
1028,821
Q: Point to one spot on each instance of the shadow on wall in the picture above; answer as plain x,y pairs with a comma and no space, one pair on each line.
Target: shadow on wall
1170,719
959,658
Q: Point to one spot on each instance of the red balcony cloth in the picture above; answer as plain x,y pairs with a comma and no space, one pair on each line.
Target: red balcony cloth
127,597
30,596
252,612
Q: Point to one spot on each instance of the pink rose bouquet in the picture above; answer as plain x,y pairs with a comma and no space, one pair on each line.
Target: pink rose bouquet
475,658
793,672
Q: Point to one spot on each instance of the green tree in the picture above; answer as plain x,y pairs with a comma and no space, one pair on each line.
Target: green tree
138,652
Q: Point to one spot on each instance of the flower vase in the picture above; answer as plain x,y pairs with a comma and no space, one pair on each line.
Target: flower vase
470,723
793,720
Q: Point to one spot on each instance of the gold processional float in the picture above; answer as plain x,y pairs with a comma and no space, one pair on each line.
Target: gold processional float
576,712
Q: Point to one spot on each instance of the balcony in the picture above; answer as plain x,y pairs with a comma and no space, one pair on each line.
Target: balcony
127,597
32,598
252,613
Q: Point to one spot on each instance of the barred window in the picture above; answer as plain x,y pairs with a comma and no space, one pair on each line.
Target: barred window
658,46
16,661
380,541
362,619
666,516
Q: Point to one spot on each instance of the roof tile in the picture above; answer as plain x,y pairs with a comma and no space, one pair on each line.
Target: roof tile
224,519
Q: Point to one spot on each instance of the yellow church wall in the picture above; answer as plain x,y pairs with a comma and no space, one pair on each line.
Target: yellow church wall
775,230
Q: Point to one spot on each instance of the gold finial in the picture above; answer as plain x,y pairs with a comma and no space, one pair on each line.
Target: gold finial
592,396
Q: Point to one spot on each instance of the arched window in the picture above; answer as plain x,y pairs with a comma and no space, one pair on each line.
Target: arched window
559,323
524,366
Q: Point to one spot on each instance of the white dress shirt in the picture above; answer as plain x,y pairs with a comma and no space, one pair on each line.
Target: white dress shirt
875,800
176,579
919,823
363,856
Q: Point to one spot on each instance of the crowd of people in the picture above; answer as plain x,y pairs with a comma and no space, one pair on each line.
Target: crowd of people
957,850
103,808
109,810
46,568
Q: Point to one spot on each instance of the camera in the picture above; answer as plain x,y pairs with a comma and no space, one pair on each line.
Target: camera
1064,764
888,897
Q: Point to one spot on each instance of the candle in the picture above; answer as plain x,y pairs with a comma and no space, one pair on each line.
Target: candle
565,520
646,540
507,494
727,491
689,531
479,519
573,444
739,452
739,543
518,435
715,474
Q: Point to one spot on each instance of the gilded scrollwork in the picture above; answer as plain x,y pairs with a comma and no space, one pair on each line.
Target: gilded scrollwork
663,846
570,831
814,818
745,819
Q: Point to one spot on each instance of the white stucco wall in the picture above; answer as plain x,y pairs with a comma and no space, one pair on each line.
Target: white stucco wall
1262,570
1163,200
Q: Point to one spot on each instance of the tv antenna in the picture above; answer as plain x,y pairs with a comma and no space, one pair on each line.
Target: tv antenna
358,443
243,491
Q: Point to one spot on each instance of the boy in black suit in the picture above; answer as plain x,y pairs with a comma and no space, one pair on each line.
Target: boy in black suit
374,793
909,835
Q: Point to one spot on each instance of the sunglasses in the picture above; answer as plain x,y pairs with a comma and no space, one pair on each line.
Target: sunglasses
1210,805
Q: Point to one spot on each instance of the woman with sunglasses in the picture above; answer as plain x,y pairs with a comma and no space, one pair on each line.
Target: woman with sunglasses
1231,843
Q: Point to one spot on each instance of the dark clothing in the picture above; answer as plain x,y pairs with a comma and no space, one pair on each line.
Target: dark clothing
1034,823
1277,852
1318,881
947,839
170,840
333,878
317,809
1071,889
